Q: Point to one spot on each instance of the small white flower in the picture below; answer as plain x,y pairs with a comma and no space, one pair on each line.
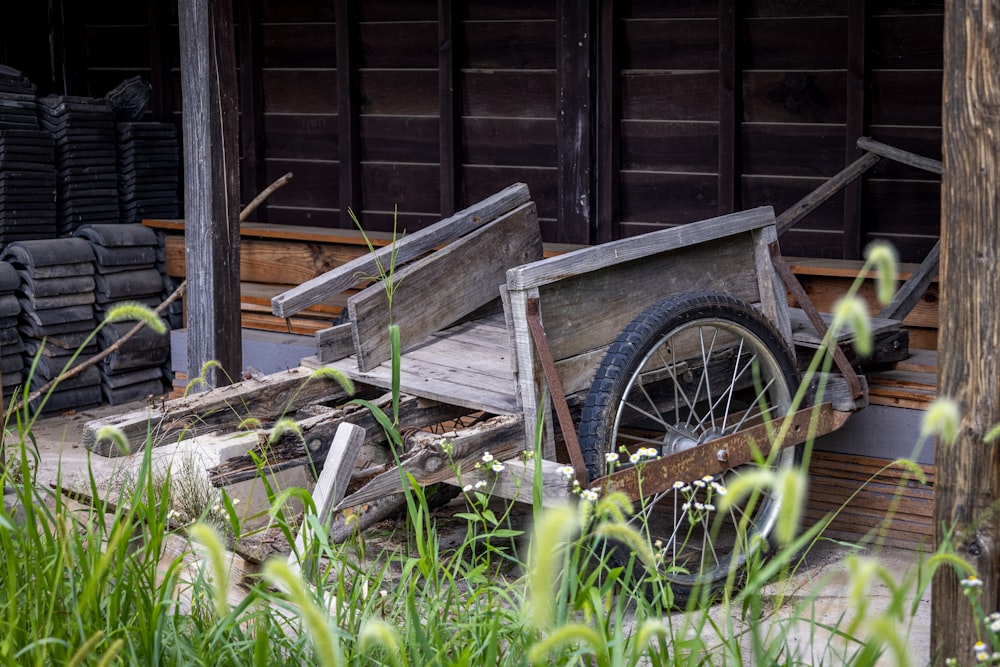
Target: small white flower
611,457
566,471
236,501
635,458
995,625
699,506
497,466
481,484
678,485
979,648
487,457
707,478
383,593
467,488
699,484
589,494
709,507
718,488
648,452
658,544
972,581
685,507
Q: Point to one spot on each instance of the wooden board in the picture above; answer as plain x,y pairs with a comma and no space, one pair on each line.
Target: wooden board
444,287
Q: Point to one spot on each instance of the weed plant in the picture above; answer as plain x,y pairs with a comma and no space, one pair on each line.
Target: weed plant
97,585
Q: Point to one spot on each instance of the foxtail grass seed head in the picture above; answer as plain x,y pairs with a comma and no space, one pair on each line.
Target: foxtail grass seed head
207,537
852,313
317,622
550,534
328,373
791,484
284,426
941,419
883,256
376,633
114,435
136,312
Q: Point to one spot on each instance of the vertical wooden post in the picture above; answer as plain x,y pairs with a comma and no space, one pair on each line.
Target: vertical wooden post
573,121
211,187
730,109
449,113
252,177
608,113
348,102
967,481
853,239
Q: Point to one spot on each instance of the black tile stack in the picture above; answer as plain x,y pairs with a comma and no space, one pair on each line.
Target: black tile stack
125,271
56,294
84,133
11,345
27,170
148,170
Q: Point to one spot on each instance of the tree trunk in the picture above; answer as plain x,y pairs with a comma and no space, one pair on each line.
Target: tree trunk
968,475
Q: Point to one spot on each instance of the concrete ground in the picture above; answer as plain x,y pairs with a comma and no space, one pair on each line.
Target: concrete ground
818,594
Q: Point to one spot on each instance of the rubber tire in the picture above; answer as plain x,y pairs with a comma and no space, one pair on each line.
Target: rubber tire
622,361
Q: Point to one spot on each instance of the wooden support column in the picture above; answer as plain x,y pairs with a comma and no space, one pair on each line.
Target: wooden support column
608,113
450,114
348,110
967,480
252,176
730,109
857,103
573,121
211,187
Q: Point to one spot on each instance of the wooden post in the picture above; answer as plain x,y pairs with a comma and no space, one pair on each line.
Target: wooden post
450,112
967,482
573,122
348,110
211,187
730,109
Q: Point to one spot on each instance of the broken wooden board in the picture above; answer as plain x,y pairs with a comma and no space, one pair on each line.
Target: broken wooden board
405,249
444,287
890,341
222,408
517,480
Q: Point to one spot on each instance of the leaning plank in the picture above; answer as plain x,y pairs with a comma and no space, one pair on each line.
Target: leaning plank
440,289
602,256
899,155
334,342
913,289
407,248
501,437
332,483
222,407
812,201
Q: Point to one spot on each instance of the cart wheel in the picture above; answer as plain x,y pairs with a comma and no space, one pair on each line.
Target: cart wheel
686,371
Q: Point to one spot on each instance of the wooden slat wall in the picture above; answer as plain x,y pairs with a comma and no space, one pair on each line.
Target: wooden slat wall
696,108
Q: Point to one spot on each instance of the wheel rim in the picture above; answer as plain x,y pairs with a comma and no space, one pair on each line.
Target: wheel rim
704,379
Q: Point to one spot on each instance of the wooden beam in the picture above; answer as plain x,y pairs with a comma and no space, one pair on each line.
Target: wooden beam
899,155
409,247
968,471
348,110
856,106
730,110
252,176
211,187
449,105
814,199
909,293
573,121
608,112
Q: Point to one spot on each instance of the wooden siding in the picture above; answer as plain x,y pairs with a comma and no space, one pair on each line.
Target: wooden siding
407,111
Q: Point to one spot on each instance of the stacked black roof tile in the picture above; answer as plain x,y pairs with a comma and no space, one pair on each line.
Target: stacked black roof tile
84,133
56,294
27,171
125,272
11,345
148,170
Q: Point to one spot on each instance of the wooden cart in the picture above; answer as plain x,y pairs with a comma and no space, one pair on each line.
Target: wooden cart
674,348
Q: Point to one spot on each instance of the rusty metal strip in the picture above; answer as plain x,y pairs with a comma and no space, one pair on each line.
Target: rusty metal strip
721,454
534,317
795,287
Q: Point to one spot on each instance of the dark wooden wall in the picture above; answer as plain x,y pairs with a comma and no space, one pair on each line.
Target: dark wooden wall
622,116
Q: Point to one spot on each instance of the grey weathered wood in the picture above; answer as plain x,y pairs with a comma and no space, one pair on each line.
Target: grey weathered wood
899,155
804,333
773,299
332,483
211,187
220,408
335,342
814,199
407,248
440,289
610,254
530,392
428,463
517,480
910,292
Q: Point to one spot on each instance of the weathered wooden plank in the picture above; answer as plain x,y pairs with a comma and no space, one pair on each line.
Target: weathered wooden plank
449,61
900,155
444,287
407,248
348,78
223,407
910,293
619,252
574,118
817,197
334,343
428,462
